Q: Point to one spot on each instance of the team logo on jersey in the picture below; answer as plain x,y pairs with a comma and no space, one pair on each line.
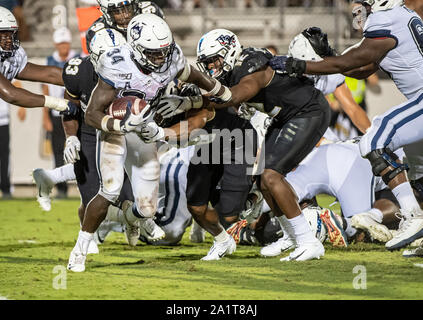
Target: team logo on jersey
226,40
136,32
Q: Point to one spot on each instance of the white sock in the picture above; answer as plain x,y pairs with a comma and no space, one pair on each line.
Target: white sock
302,229
222,237
405,197
84,239
376,214
61,174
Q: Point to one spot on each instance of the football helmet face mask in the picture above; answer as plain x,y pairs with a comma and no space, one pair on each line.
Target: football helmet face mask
118,13
217,52
151,41
9,43
103,41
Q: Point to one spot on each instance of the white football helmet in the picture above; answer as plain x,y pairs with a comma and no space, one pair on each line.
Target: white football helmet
214,44
379,5
151,41
8,23
126,9
301,48
103,41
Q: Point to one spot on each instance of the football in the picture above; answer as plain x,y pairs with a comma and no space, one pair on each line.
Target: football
120,106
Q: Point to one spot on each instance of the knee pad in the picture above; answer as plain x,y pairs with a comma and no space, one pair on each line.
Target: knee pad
380,159
151,170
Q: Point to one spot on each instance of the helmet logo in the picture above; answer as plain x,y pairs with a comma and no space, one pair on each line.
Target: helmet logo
111,35
226,40
136,32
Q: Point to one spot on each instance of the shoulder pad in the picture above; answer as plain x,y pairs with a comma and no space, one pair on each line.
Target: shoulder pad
248,61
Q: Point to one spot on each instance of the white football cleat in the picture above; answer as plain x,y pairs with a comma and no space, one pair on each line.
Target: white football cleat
306,251
411,253
376,230
410,229
197,234
76,262
219,249
276,248
44,187
150,230
93,248
132,233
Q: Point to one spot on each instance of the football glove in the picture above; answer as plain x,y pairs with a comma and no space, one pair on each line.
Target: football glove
246,112
171,105
151,132
72,148
288,65
132,122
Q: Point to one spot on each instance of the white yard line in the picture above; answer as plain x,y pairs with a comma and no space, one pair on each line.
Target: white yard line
3,298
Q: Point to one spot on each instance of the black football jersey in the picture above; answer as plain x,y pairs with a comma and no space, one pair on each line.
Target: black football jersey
80,80
284,96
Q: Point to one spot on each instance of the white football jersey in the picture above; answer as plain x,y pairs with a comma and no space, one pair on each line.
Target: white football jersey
12,66
328,83
404,63
118,68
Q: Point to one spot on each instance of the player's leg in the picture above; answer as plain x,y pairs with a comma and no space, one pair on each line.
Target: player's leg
399,126
173,215
45,180
308,179
201,181
143,169
111,152
286,146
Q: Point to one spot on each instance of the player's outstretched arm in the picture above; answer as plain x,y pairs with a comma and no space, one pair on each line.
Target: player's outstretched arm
38,73
247,88
95,116
212,86
357,115
370,51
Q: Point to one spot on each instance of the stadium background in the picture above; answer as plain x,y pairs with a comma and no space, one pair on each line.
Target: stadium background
258,23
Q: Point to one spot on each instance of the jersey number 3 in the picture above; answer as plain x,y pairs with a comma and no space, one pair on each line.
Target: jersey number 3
416,27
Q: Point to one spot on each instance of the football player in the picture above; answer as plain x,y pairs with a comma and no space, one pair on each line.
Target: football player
312,44
118,13
222,158
300,117
14,65
143,66
392,41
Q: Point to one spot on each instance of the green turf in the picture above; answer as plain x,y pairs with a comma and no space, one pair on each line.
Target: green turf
32,243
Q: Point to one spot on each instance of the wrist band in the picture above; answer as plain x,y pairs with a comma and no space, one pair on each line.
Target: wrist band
185,73
226,95
215,89
104,123
116,125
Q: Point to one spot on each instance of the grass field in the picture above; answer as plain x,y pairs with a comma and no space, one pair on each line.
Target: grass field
33,243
